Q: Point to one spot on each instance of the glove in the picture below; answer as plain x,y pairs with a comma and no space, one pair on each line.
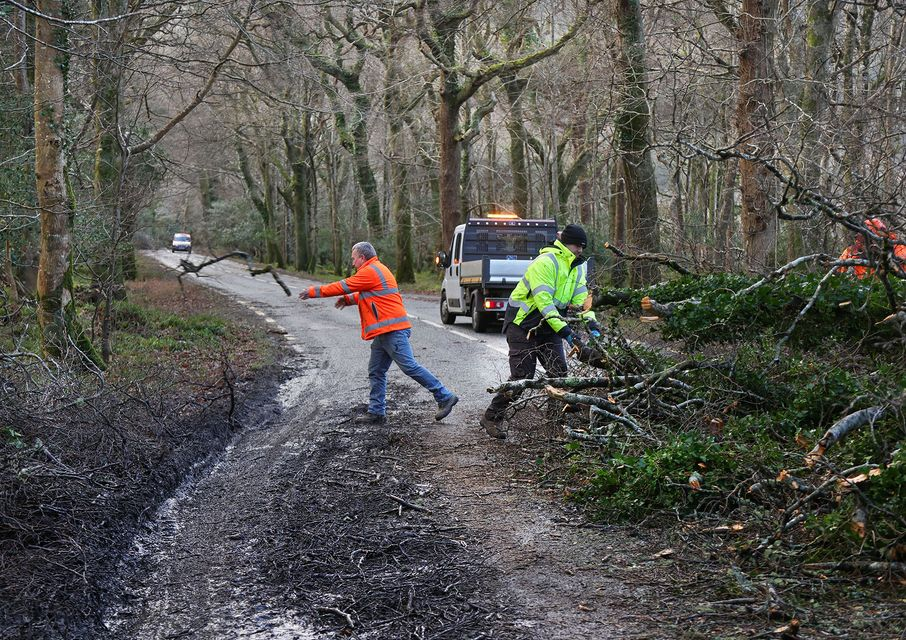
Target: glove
594,329
567,334
594,333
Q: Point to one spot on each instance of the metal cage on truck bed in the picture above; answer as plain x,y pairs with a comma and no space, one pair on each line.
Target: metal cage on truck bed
506,239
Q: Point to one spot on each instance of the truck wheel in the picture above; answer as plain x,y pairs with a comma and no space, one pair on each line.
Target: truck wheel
445,316
479,319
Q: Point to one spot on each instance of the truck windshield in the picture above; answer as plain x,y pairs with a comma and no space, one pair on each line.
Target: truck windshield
182,237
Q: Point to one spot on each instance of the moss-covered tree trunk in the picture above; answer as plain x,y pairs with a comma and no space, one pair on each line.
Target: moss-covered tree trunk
400,210
354,135
331,180
363,171
20,69
263,201
814,102
515,125
297,142
723,230
53,205
632,141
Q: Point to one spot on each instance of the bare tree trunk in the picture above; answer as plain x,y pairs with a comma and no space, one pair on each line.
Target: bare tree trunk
586,206
618,220
632,139
676,210
753,113
336,250
723,231
8,274
50,178
450,163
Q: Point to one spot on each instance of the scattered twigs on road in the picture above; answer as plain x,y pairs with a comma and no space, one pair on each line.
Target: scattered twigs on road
338,612
407,504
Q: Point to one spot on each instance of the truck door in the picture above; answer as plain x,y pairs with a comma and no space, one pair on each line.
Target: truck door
454,290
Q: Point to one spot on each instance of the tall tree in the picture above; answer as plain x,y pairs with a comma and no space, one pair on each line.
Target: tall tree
753,116
353,129
50,43
300,197
632,138
439,26
401,212
814,102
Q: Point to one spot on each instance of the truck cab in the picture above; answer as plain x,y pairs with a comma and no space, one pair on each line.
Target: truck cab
486,260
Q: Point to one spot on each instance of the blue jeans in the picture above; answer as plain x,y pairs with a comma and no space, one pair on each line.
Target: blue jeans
391,347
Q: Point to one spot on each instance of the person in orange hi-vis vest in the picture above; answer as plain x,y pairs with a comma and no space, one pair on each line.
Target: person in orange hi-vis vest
386,324
858,250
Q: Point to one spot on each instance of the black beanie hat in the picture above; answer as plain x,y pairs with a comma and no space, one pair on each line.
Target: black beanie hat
574,234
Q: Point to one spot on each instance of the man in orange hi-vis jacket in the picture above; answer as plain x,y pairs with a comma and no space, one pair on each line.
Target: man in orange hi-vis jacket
858,251
385,322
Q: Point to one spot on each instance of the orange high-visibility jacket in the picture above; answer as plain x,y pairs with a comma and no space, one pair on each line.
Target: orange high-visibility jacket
852,252
374,289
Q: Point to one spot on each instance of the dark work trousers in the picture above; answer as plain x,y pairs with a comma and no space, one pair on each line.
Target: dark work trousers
525,351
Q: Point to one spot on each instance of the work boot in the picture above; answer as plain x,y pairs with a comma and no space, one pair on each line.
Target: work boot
371,419
494,428
444,408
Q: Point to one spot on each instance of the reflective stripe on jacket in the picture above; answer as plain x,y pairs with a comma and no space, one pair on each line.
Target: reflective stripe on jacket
552,282
373,288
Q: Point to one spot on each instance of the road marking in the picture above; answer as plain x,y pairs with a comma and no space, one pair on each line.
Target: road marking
505,352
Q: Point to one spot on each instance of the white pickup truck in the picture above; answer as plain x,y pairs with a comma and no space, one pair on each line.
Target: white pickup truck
487,259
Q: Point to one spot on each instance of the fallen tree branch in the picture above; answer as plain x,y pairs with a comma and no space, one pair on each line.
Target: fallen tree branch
840,430
811,302
865,566
660,258
594,382
624,419
189,267
782,271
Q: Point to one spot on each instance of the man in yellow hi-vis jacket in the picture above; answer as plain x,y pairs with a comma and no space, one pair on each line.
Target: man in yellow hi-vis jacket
534,327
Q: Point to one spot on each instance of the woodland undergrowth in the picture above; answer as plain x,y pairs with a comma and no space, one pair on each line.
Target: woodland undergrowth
773,415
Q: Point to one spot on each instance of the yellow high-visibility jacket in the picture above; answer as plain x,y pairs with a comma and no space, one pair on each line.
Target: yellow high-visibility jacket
553,281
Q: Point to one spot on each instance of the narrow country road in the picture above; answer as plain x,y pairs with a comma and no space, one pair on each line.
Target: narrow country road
222,557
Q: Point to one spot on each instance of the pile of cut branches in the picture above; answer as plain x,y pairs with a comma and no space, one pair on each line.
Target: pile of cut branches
791,424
